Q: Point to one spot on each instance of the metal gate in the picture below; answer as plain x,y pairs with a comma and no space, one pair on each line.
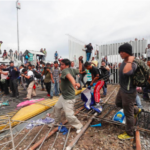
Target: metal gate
109,50
75,50
114,60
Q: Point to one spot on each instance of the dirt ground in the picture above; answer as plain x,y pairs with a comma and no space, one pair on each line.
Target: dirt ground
95,138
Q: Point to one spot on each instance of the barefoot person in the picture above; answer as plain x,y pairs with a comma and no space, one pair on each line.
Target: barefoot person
67,99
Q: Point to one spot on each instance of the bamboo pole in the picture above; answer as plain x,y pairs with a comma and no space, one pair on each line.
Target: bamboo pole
75,140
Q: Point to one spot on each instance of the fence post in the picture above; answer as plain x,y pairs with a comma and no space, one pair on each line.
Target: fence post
13,145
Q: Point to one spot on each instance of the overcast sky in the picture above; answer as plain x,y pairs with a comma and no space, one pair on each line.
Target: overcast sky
44,24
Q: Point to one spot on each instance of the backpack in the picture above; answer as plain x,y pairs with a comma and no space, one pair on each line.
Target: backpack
104,74
37,75
26,57
141,74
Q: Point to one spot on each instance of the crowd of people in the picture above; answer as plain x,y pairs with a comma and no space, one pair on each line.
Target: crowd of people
11,55
127,97
64,77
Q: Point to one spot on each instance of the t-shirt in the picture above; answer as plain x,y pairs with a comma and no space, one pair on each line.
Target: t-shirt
125,80
89,49
56,72
94,71
56,54
47,78
89,76
4,76
21,71
67,89
95,62
30,73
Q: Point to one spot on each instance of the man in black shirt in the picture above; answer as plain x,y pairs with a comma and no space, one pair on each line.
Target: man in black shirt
94,71
126,96
88,51
99,84
14,74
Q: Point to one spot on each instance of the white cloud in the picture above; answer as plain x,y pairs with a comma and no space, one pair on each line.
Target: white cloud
46,23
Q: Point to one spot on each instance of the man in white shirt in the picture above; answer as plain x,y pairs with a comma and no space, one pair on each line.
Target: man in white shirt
72,65
4,81
30,80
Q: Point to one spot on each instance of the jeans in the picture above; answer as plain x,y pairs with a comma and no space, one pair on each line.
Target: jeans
48,87
127,101
43,58
5,86
88,55
138,101
42,83
105,89
146,90
1,86
14,87
81,79
55,86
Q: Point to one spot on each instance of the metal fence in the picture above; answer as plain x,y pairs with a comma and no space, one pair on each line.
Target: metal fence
75,49
111,52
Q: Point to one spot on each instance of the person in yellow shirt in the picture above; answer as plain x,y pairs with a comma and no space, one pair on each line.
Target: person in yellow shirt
94,62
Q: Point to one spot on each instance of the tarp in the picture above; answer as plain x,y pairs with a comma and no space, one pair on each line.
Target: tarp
30,57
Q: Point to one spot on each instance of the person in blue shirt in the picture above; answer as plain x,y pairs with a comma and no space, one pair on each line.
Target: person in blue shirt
56,56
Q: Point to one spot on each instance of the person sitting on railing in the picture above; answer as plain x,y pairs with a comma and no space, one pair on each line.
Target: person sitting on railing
4,55
11,54
16,54
41,56
45,53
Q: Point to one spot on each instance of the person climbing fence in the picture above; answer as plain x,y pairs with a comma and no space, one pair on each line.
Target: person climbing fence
56,56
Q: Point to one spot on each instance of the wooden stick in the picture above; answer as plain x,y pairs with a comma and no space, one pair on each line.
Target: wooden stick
51,133
110,95
75,140
138,142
